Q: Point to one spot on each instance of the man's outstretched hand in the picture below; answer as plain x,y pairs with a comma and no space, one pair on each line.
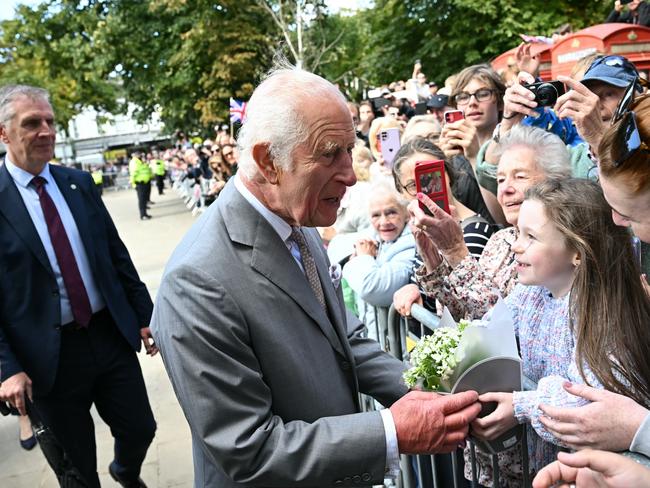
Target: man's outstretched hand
428,423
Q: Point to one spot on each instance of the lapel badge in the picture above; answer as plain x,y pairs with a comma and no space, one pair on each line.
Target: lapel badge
73,186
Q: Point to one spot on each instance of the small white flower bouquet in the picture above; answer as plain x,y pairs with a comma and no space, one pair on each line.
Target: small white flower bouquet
480,355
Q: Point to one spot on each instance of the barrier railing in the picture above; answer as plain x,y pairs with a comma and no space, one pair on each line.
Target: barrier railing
441,470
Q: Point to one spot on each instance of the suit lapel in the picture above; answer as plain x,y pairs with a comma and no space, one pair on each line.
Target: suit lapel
272,259
72,192
14,210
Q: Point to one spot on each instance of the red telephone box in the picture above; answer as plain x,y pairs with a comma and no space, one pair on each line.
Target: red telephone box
631,41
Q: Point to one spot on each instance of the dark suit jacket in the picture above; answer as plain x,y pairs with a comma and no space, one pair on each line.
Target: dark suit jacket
30,310
626,17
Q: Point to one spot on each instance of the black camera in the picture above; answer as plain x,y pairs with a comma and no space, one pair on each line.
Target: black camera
547,92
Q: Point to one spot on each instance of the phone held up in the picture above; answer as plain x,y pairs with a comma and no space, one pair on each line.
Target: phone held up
389,144
452,116
430,180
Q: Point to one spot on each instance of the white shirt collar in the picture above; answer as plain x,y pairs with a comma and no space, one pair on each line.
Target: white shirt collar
279,225
24,178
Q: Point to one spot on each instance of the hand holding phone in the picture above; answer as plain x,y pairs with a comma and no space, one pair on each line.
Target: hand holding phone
389,144
451,116
430,180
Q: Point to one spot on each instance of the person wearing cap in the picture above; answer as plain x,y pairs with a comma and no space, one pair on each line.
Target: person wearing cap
589,103
638,13
437,105
433,88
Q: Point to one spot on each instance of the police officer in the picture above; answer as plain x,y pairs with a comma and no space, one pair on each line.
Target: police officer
158,167
140,176
98,178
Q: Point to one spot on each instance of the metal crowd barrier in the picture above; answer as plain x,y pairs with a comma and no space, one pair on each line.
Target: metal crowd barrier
440,470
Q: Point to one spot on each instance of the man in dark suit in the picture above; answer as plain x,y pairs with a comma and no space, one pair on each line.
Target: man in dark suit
73,309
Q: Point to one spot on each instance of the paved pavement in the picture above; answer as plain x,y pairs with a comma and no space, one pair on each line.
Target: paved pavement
169,460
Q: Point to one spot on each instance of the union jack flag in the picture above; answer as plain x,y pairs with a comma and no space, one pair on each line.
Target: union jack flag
237,110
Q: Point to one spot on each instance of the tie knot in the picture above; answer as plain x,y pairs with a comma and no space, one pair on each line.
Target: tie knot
297,236
38,182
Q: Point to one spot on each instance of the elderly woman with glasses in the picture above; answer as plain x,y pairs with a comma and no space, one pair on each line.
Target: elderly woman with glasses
474,228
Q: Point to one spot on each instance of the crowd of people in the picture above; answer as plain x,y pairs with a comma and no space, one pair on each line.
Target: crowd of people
529,222
267,327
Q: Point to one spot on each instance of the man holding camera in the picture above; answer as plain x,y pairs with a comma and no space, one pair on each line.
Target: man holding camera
589,103
638,12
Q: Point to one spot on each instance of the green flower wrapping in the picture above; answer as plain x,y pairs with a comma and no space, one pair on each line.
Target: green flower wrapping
435,358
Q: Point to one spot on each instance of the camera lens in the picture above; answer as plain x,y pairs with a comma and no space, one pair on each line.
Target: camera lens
546,95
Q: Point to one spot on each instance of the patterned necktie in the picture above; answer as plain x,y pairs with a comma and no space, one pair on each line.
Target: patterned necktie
309,265
74,285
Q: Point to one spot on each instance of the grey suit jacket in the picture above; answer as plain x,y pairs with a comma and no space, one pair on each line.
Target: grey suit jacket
269,384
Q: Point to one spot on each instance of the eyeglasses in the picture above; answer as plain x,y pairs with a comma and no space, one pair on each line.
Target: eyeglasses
410,188
482,95
628,139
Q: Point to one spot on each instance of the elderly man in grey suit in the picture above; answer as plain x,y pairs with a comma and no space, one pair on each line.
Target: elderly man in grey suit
264,359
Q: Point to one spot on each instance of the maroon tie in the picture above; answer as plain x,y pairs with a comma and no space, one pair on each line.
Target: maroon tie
79,302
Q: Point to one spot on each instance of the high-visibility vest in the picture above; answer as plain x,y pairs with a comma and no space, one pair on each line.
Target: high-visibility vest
139,172
159,167
98,178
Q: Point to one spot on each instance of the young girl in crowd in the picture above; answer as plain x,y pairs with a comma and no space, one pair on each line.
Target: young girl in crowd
576,301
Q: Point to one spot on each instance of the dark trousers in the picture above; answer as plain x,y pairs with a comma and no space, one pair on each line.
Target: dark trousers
148,187
141,190
160,183
97,366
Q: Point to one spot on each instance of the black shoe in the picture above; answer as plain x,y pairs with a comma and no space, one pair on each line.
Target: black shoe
145,217
28,444
151,203
125,483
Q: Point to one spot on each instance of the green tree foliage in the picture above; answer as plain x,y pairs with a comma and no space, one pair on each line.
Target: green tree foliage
53,46
186,58
448,35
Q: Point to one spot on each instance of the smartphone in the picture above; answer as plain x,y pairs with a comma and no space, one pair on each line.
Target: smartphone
451,116
625,2
430,180
636,247
389,145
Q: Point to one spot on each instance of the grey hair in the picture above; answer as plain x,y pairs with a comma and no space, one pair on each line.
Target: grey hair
551,154
382,188
274,114
10,93
419,119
